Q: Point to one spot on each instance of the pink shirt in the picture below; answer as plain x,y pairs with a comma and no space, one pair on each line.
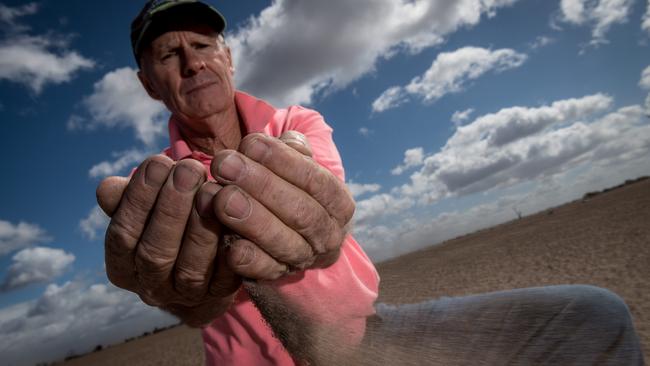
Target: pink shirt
341,295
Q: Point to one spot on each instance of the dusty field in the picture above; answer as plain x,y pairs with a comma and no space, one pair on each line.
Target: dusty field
603,241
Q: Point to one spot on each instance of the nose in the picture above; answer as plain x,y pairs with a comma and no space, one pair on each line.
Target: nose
192,62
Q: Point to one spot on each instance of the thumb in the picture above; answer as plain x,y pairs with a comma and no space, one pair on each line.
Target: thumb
109,193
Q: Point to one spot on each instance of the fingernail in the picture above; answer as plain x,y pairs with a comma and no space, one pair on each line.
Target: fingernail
238,206
258,150
295,141
155,173
185,178
204,200
246,256
230,168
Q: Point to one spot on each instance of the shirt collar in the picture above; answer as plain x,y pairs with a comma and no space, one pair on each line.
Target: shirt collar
255,114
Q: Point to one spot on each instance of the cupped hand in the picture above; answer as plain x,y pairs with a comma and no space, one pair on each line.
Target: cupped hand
289,212
163,240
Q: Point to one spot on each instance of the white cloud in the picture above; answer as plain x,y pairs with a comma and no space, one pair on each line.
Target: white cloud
645,23
514,144
360,189
293,50
412,158
18,236
94,223
35,61
34,265
124,160
392,97
601,15
461,116
365,131
540,42
380,205
73,319
9,15
118,100
511,148
644,83
415,230
449,73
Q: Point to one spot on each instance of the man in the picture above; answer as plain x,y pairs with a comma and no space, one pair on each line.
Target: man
229,201
234,228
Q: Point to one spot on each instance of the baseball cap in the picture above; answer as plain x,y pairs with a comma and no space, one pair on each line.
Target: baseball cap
156,14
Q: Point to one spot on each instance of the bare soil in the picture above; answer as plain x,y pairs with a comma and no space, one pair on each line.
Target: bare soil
603,240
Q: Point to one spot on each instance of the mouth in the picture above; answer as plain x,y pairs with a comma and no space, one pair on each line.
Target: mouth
201,87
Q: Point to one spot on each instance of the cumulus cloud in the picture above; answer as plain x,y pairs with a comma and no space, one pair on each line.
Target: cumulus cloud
412,158
35,61
358,189
71,319
118,100
380,205
96,222
601,15
518,145
461,116
34,265
294,50
414,232
645,23
417,229
123,161
449,73
644,83
18,236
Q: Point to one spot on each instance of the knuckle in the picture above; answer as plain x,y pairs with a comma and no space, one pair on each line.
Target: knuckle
350,208
315,181
202,239
306,216
190,282
264,183
149,259
120,238
252,137
138,200
335,239
172,210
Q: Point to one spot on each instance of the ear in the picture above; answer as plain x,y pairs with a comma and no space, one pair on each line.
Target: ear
148,86
230,63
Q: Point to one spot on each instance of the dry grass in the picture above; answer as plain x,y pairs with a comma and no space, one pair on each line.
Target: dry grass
603,241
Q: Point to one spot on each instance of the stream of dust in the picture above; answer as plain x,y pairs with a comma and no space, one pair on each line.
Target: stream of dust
318,345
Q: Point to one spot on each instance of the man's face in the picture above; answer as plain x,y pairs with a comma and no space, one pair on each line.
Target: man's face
190,70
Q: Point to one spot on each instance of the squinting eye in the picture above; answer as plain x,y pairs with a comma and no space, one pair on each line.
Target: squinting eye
167,56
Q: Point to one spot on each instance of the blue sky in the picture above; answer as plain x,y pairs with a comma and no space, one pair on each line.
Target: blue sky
449,116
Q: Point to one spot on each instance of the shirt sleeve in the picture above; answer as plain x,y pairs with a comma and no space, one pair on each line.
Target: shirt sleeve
343,294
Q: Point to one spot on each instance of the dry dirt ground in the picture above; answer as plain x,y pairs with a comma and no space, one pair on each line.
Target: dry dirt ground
603,241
